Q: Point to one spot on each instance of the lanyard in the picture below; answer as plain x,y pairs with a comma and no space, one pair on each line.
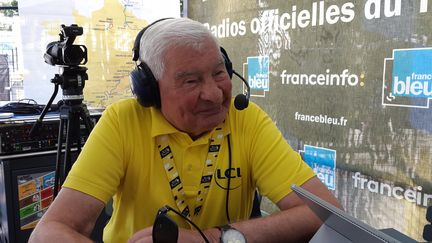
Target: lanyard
207,173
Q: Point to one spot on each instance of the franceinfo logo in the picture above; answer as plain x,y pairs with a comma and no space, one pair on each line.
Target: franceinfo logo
390,189
328,78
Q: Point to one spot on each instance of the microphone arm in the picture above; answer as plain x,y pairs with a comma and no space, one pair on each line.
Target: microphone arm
245,82
241,101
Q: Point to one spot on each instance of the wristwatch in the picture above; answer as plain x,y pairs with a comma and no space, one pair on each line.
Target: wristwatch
231,235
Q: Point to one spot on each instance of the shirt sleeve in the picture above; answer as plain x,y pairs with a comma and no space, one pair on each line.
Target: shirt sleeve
99,167
275,165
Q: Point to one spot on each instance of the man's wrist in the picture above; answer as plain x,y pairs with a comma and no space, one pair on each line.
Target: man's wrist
213,235
231,234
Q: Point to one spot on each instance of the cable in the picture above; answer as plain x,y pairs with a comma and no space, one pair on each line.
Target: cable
189,221
25,107
229,181
22,108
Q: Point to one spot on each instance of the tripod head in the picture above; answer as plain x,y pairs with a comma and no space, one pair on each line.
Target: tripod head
72,81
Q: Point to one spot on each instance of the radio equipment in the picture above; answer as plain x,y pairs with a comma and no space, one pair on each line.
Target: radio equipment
15,138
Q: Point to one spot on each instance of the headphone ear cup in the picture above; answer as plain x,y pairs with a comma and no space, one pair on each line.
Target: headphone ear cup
228,63
144,86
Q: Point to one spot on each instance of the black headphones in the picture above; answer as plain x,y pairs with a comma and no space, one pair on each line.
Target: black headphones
145,86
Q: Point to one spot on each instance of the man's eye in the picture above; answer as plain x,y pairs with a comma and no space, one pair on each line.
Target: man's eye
191,81
218,73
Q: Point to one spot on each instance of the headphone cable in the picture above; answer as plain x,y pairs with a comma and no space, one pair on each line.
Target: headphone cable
189,221
229,181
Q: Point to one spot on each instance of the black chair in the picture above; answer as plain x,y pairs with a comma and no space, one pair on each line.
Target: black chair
427,230
256,207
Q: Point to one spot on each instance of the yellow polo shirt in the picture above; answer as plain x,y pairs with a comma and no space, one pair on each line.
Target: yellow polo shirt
120,160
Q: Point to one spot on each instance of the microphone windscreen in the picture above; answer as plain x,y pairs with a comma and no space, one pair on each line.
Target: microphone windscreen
241,102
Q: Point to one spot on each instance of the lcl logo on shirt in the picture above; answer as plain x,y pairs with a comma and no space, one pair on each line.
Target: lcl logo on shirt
222,175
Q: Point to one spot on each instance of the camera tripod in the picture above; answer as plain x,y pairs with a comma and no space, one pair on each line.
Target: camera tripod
71,112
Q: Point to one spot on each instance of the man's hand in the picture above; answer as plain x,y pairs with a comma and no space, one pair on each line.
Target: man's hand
185,235
142,236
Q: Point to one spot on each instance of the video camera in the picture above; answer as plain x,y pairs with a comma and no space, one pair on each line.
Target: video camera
68,56
63,52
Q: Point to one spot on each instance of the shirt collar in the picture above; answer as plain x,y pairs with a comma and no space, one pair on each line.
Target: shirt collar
160,126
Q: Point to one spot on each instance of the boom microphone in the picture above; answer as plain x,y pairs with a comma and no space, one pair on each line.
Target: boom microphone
241,101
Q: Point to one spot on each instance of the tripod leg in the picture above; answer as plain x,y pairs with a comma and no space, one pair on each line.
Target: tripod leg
87,123
71,133
85,116
58,158
70,116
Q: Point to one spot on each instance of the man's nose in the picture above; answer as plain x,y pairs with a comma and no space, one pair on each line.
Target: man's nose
210,91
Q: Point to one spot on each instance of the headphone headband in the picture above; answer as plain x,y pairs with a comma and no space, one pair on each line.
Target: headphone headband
136,47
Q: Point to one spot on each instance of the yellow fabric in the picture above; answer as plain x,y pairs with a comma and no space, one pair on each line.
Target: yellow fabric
120,160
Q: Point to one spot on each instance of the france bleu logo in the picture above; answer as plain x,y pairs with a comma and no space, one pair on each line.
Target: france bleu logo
407,78
258,75
323,163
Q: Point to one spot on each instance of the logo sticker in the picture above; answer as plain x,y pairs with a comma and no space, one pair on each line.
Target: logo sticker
407,78
258,70
323,163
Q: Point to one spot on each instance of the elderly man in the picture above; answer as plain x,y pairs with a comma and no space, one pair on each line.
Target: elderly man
182,143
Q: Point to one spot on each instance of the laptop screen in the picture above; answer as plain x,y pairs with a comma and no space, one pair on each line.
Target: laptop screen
338,225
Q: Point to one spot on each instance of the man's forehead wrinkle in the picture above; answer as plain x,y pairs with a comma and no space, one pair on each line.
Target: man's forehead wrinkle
182,74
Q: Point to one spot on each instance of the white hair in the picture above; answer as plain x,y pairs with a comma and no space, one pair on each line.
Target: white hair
169,33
